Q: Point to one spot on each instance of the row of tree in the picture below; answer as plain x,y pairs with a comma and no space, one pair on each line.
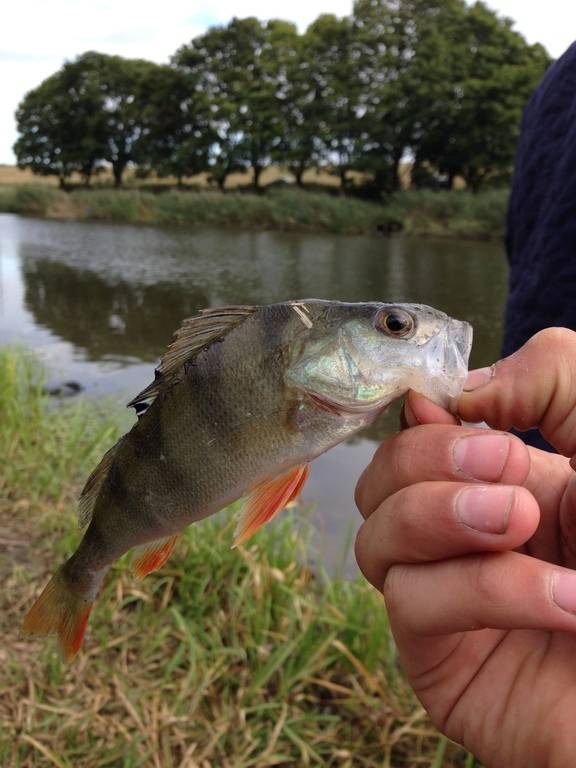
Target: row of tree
440,80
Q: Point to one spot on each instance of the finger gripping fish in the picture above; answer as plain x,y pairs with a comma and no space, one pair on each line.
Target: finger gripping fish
244,398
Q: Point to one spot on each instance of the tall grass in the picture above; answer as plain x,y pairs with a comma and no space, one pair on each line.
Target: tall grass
455,213
43,450
223,659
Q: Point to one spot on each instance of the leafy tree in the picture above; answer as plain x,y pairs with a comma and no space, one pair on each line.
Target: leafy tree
60,126
297,146
475,74
126,87
232,66
176,131
336,83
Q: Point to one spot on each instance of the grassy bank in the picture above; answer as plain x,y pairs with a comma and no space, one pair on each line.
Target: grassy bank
417,213
224,659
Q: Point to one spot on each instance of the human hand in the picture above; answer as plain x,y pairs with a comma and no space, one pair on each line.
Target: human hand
471,537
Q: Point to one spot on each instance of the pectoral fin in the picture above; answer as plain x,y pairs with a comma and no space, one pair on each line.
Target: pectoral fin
152,556
267,499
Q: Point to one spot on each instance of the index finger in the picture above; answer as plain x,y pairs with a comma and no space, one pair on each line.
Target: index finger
534,387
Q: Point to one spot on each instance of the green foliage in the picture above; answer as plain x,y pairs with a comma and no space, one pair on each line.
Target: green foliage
43,449
416,212
30,199
438,80
452,213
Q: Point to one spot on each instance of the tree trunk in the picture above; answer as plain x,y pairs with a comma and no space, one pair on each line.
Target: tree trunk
62,181
395,173
221,181
298,174
343,180
118,168
257,171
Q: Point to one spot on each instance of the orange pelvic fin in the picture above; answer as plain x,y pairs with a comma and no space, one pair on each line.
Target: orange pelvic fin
61,611
267,499
153,556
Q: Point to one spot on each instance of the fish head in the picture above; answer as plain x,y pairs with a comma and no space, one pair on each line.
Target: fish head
359,358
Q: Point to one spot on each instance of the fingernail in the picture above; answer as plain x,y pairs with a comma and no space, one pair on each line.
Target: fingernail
485,509
481,457
564,590
478,378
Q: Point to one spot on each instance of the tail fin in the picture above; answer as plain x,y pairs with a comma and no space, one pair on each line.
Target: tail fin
62,611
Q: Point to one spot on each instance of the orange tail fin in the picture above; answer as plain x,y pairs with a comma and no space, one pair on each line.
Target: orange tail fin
59,610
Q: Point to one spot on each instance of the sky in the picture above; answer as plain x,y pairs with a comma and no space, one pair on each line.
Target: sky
37,36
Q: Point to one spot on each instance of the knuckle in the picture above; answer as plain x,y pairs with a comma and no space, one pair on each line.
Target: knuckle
403,454
392,590
485,576
553,337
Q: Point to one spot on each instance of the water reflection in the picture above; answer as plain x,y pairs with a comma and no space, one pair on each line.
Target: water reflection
106,320
100,302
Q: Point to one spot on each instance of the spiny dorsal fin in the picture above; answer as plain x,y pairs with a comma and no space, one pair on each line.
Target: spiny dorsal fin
195,334
93,485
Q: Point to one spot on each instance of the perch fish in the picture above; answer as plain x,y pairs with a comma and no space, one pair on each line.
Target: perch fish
244,398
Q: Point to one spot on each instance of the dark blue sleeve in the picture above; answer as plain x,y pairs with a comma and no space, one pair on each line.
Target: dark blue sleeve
541,226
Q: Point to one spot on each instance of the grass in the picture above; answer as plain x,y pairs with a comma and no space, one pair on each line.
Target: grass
281,209
223,659
418,212
454,213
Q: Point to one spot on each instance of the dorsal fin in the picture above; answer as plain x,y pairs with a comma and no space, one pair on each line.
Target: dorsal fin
93,485
195,334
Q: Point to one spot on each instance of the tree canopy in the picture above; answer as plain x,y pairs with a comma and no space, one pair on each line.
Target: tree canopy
439,81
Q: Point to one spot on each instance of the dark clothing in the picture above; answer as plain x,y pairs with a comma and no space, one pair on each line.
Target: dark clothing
541,233
541,227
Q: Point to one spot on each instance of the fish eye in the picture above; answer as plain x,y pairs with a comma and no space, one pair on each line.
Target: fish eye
395,322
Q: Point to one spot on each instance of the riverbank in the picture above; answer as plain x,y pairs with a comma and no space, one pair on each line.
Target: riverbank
228,658
415,213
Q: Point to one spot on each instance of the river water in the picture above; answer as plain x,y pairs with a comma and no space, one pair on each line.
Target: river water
99,303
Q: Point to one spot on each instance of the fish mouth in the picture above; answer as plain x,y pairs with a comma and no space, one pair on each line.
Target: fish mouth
369,410
461,334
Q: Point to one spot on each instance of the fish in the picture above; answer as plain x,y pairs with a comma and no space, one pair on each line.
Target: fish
243,400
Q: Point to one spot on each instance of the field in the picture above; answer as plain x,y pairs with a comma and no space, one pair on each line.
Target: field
223,659
10,175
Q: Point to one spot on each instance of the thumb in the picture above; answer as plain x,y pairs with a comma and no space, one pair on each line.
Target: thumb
534,387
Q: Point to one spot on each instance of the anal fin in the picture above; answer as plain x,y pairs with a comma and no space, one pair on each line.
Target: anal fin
267,499
153,556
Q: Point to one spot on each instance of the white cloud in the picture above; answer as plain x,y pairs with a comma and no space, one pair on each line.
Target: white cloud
38,36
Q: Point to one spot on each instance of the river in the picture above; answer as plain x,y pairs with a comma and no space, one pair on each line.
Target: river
99,303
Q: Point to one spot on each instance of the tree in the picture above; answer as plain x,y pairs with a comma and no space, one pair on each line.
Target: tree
334,77
233,68
126,87
472,95
176,131
60,126
388,39
297,145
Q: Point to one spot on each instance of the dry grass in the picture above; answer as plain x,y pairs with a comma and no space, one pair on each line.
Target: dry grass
223,659
11,175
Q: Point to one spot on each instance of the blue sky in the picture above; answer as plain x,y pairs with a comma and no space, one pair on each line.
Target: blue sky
38,36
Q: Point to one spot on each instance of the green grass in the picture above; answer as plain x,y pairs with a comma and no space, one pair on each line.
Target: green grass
234,658
422,213
451,213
